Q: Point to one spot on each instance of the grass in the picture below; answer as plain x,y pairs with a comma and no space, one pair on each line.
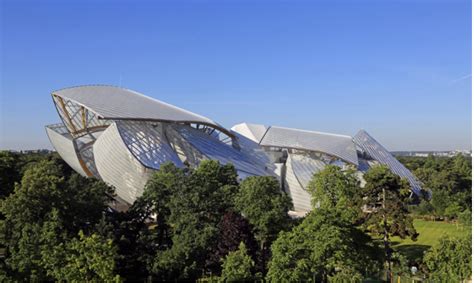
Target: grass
430,232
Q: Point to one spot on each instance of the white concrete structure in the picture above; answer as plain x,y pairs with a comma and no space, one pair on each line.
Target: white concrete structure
122,137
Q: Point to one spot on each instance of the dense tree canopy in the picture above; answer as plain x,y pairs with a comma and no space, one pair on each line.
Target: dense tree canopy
9,172
334,188
449,181
266,207
86,258
263,203
237,266
323,246
234,229
450,260
46,211
196,223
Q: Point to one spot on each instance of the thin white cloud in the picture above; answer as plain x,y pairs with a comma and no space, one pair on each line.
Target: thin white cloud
461,79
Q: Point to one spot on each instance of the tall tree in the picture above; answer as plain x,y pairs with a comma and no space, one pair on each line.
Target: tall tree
233,230
324,246
134,240
43,197
336,189
237,266
261,201
188,204
386,197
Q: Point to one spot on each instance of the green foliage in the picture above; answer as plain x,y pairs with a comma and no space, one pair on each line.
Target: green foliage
423,208
54,224
13,165
43,213
134,240
262,202
188,204
233,230
334,188
237,266
88,258
323,246
465,218
450,260
440,201
453,210
400,264
387,196
25,211
448,179
9,172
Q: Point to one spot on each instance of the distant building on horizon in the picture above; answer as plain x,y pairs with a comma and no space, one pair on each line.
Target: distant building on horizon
122,137
447,153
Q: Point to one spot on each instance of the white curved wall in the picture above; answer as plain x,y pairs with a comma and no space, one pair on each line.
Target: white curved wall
147,143
64,145
336,145
305,167
253,132
118,167
300,197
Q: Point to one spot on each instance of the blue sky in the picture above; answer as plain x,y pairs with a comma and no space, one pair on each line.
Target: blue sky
399,69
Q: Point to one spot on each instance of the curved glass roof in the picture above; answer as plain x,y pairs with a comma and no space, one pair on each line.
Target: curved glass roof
336,145
215,149
116,103
147,143
377,152
304,167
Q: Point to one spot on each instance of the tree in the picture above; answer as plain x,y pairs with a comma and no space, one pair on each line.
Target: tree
424,208
261,201
463,166
9,172
24,212
465,218
134,240
400,264
188,204
450,260
387,196
449,180
324,246
453,210
45,202
87,258
266,207
77,259
233,230
237,266
334,188
440,201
